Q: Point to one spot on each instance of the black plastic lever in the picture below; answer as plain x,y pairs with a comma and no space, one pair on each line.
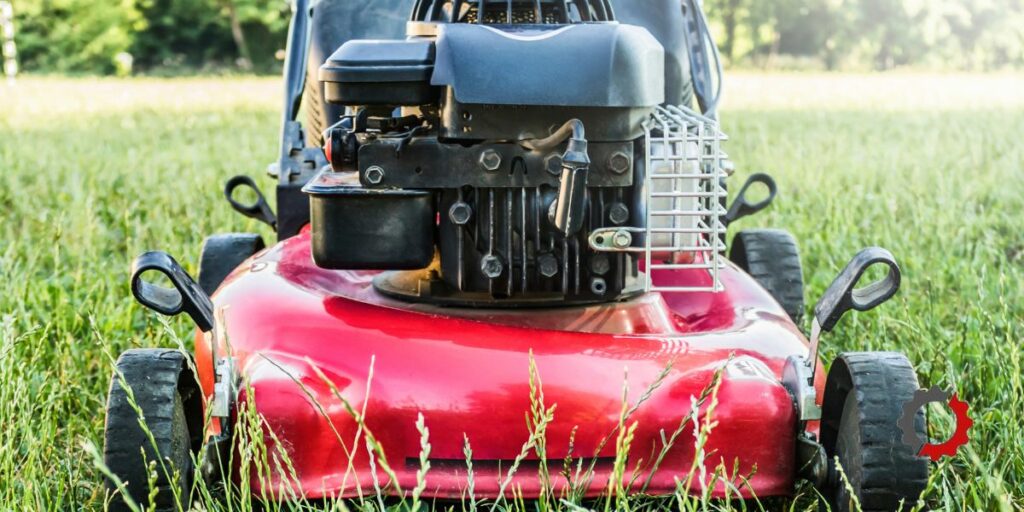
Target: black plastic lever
185,297
260,210
842,295
741,207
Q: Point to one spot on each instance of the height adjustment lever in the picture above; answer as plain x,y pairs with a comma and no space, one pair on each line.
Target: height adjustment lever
843,295
260,210
741,207
183,296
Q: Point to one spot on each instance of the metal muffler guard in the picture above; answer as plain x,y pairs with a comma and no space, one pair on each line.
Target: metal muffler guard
684,168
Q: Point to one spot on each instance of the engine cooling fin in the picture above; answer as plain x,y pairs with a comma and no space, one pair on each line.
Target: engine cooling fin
512,12
680,229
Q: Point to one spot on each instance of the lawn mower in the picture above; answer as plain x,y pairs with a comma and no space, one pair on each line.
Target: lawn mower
484,187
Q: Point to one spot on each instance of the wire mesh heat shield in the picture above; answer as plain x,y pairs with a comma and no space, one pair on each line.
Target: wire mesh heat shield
683,196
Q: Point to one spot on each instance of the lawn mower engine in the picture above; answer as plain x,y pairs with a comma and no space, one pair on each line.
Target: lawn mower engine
504,163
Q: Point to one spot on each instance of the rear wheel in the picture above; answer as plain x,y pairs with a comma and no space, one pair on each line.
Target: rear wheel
864,397
772,258
222,253
159,389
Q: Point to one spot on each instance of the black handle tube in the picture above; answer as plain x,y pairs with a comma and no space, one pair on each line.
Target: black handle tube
296,53
295,59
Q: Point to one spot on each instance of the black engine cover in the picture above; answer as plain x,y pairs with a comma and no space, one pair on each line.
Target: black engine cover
516,82
580,65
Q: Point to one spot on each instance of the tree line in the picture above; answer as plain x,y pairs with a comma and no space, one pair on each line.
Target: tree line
872,34
174,36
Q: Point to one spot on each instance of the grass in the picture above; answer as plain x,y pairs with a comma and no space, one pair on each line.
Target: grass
92,172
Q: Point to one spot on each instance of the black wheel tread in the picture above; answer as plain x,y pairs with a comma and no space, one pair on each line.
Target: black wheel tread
155,377
772,258
881,469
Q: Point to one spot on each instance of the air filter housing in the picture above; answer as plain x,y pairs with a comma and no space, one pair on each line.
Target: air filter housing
380,72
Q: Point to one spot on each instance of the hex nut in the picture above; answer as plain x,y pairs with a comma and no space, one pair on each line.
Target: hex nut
618,162
553,164
460,213
547,265
622,239
618,213
374,174
490,160
599,264
491,266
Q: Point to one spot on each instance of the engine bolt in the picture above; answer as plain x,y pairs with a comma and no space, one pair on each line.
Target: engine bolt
622,239
547,265
618,162
598,286
490,160
491,266
553,164
599,264
374,174
618,213
459,213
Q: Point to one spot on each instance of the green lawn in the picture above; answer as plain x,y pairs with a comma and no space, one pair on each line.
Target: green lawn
93,172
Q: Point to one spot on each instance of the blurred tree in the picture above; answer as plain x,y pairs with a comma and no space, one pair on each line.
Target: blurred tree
259,28
183,35
75,35
196,33
880,34
729,14
267,16
244,60
981,34
748,28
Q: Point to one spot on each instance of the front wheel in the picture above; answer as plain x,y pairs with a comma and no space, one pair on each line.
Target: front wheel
154,419
864,397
